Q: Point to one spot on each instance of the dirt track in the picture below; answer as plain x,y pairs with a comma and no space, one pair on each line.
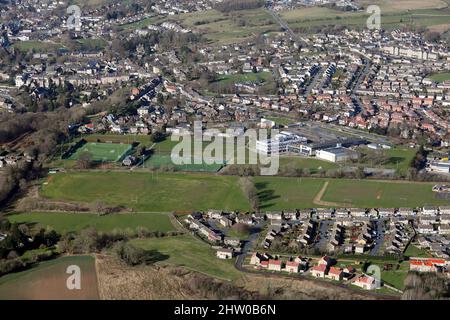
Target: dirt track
318,199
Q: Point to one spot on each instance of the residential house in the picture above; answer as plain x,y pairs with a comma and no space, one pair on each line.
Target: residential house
319,271
274,265
224,253
292,266
335,274
366,282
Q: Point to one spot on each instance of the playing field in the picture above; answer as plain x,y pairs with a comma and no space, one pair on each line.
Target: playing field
110,152
191,253
155,192
66,222
47,281
374,194
166,192
161,158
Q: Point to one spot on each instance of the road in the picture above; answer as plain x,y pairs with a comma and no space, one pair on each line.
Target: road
248,245
286,27
380,237
324,237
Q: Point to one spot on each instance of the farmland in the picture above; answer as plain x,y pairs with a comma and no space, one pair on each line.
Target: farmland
191,253
394,14
67,222
48,281
155,192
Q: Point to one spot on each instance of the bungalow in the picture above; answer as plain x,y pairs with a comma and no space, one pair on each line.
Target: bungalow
444,219
257,258
335,274
444,229
319,271
325,261
292,267
366,282
444,210
359,248
224,253
274,265
425,228
224,221
234,242
429,210
214,214
426,264
274,215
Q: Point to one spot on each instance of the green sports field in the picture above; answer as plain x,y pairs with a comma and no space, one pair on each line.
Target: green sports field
374,194
146,191
66,222
191,253
165,192
47,281
110,152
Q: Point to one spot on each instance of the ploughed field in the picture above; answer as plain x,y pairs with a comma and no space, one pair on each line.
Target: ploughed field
166,192
47,281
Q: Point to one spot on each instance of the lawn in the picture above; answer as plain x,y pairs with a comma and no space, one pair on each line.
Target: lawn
191,253
413,251
155,192
374,194
66,222
48,281
110,152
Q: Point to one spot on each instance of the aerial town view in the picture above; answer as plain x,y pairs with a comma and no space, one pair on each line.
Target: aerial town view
224,150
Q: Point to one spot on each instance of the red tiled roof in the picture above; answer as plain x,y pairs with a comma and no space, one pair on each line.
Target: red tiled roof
275,262
320,268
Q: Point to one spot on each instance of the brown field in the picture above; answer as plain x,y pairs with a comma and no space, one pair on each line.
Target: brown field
47,281
441,28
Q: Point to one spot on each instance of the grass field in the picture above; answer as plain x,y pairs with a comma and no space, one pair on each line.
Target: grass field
36,46
398,158
48,281
224,29
394,14
66,222
191,253
164,192
278,193
155,192
374,194
440,77
110,152
312,164
260,77
413,251
162,158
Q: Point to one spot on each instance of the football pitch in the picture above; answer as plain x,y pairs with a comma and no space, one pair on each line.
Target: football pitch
110,152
